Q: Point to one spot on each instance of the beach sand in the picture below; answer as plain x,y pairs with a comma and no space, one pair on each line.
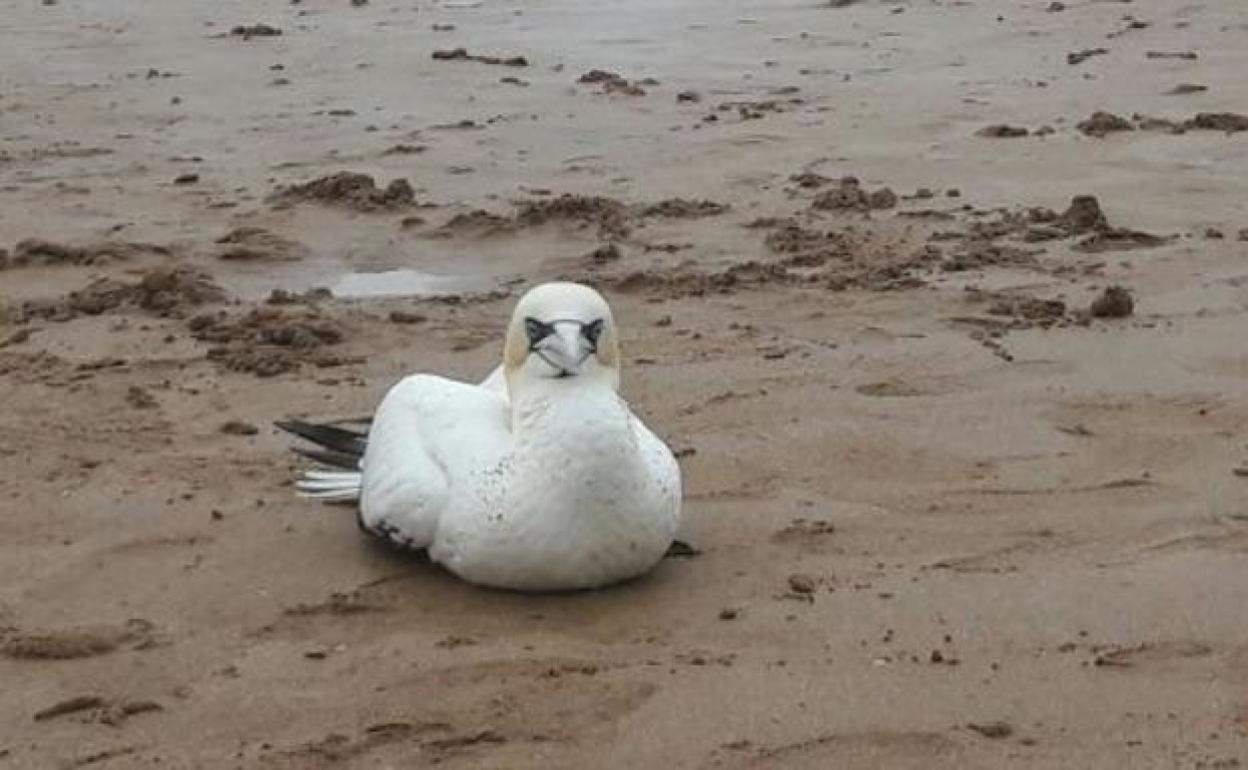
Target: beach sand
951,510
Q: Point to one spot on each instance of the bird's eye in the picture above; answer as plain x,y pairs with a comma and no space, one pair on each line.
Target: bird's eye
592,331
537,330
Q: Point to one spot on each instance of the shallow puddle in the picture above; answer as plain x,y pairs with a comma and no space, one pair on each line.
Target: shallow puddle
406,283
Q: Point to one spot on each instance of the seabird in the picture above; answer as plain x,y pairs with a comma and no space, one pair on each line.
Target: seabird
540,478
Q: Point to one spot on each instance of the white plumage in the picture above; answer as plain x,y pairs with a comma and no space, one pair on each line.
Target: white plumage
538,478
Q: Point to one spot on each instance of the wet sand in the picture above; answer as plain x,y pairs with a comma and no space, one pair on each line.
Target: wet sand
956,506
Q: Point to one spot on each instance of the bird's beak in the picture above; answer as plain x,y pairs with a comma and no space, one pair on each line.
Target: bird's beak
566,350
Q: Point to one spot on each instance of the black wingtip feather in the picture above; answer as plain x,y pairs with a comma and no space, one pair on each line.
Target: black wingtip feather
345,446
327,436
330,457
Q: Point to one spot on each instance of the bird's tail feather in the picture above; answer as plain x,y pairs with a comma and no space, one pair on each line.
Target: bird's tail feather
337,448
329,485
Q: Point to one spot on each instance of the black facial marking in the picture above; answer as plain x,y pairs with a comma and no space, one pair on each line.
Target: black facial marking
592,331
537,331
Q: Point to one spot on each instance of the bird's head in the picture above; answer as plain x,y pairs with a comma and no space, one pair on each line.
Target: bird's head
562,331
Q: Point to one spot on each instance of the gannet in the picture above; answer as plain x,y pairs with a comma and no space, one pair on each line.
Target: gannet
539,478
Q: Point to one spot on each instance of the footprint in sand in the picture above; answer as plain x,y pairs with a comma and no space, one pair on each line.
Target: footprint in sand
76,643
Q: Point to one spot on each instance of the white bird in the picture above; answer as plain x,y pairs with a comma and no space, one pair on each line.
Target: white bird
540,478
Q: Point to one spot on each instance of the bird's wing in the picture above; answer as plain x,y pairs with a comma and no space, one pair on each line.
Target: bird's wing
430,441
664,472
339,449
